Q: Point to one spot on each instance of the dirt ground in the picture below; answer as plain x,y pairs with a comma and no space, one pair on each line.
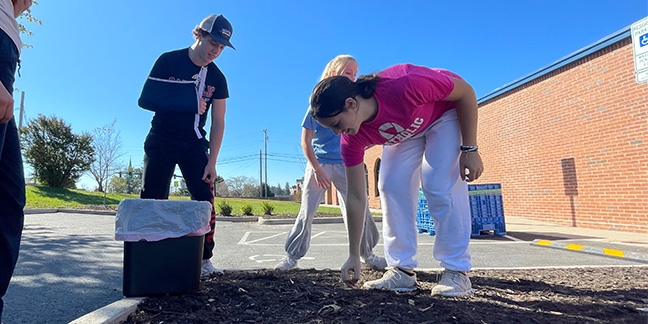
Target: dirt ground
583,295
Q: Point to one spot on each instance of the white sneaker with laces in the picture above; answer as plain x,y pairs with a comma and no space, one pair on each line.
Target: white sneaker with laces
375,262
207,269
394,279
286,264
453,284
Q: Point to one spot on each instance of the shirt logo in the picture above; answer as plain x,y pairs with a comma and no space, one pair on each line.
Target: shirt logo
387,126
399,134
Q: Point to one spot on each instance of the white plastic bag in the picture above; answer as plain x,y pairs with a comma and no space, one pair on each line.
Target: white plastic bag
154,220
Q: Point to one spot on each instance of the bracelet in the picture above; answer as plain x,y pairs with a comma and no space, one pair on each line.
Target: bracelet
468,148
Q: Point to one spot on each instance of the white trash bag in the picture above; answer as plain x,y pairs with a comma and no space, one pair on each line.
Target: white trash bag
154,220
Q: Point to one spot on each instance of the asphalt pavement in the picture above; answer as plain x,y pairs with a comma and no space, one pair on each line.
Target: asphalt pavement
71,265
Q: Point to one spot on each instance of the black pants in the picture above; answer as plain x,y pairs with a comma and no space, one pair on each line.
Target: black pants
159,164
12,179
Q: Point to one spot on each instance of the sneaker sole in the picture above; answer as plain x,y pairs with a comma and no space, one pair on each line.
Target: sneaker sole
456,294
394,289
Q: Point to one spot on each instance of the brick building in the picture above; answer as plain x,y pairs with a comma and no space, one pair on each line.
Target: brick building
568,143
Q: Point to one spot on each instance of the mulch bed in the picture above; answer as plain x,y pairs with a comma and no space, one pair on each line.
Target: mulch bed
582,295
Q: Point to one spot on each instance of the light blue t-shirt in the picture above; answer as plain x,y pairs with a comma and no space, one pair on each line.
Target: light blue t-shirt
325,143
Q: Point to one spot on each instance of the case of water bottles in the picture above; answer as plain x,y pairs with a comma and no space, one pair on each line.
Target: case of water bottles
486,210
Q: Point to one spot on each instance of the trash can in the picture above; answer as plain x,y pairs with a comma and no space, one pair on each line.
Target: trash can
163,244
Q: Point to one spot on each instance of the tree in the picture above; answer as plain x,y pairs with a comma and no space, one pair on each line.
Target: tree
278,191
117,185
287,189
236,186
250,190
58,156
27,16
220,187
265,187
107,148
129,180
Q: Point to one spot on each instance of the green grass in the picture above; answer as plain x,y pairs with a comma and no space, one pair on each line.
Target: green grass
280,207
46,197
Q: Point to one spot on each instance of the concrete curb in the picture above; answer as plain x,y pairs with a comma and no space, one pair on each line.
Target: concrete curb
632,256
87,211
114,313
237,218
40,211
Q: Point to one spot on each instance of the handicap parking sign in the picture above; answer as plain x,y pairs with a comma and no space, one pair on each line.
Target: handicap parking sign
643,40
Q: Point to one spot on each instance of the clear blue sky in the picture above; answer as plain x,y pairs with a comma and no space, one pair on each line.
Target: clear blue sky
90,58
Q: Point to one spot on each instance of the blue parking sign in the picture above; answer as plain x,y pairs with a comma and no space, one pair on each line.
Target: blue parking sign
643,40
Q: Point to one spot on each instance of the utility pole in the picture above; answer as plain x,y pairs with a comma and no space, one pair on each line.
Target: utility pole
260,174
265,143
22,109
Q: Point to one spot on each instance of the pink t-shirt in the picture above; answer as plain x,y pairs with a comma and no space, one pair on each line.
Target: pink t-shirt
409,99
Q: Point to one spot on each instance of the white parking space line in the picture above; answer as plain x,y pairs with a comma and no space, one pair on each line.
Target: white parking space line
270,239
264,238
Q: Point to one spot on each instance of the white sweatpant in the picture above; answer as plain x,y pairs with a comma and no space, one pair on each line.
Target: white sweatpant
432,155
298,240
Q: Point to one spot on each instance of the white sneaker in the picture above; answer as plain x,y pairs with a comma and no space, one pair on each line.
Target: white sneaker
453,284
394,279
286,264
375,262
207,269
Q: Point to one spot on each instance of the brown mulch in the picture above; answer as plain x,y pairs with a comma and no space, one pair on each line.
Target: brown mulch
582,295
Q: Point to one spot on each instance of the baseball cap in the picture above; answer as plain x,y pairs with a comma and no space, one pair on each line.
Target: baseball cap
219,28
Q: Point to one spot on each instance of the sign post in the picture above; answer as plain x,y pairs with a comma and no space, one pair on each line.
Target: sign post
639,32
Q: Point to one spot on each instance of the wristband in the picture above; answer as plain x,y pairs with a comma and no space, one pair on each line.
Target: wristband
468,148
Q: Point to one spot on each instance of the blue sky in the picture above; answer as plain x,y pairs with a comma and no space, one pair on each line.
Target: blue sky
90,58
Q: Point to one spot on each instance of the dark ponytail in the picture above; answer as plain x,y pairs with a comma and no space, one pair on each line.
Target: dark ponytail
366,85
330,94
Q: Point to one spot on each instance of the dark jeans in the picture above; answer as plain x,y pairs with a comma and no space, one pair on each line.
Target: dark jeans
12,180
160,161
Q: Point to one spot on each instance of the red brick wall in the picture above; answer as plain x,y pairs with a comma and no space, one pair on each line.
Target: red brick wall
572,146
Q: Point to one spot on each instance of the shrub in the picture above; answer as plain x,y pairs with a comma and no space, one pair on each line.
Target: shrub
246,210
224,208
267,208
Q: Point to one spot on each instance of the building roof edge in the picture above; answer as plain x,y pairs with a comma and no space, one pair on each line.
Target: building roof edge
589,49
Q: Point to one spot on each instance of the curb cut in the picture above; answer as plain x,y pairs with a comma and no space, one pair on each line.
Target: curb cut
631,256
114,313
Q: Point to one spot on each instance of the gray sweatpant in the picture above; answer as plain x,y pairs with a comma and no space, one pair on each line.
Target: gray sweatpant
298,240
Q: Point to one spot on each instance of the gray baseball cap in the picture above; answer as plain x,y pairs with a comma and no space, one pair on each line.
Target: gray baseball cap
219,28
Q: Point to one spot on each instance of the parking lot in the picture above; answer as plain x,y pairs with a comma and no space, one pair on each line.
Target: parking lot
70,264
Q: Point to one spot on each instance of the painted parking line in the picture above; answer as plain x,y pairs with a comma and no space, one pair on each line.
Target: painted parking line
634,256
339,238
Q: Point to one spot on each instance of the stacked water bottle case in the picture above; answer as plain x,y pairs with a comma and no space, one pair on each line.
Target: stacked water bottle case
486,210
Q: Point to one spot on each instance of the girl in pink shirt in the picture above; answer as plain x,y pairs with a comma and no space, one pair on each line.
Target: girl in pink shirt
427,121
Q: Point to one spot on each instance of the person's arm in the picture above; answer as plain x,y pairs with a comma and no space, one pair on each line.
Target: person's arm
466,105
6,105
355,208
215,138
320,176
162,95
20,6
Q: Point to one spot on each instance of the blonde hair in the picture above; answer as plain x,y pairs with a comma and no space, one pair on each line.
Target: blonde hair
338,64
